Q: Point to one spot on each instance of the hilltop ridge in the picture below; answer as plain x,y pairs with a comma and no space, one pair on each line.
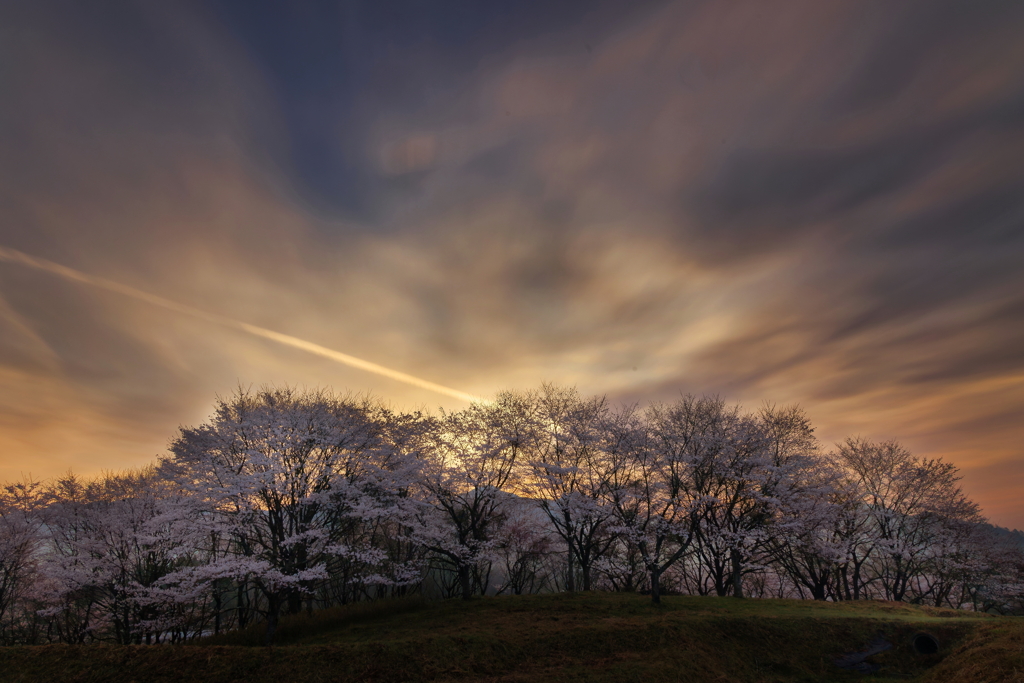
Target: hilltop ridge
562,637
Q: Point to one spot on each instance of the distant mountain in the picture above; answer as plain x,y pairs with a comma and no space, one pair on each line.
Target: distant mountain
1013,537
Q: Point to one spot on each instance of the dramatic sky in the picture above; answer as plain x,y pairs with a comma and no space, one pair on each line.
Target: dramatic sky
788,201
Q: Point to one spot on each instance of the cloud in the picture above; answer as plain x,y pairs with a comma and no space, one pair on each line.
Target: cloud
827,210
809,202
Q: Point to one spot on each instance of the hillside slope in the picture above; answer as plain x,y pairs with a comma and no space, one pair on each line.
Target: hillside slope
591,637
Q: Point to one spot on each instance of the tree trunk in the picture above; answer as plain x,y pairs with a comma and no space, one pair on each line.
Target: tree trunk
570,580
273,614
655,584
465,582
243,606
899,586
737,573
216,610
719,570
843,581
294,601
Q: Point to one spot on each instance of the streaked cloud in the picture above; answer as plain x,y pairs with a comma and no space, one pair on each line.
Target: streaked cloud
810,202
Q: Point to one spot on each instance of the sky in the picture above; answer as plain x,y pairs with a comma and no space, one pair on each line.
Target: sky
802,202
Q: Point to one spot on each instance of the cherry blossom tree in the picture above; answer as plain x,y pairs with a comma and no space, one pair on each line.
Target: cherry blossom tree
810,545
113,542
796,489
525,549
567,475
467,473
733,473
909,501
653,490
21,536
287,499
277,471
958,557
991,576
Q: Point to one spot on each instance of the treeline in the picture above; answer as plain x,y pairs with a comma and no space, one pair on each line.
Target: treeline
290,500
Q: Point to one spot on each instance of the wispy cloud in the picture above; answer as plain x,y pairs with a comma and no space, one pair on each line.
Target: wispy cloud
810,202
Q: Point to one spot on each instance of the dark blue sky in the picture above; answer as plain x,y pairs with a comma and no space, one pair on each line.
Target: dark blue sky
334,66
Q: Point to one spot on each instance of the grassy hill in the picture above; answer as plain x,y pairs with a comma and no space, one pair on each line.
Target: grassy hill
586,637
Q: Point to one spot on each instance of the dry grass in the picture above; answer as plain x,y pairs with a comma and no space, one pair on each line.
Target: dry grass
594,637
993,652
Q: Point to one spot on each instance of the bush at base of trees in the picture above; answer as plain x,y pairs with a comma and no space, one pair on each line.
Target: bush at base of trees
287,501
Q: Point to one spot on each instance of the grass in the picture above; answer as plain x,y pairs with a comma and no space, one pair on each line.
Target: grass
585,637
